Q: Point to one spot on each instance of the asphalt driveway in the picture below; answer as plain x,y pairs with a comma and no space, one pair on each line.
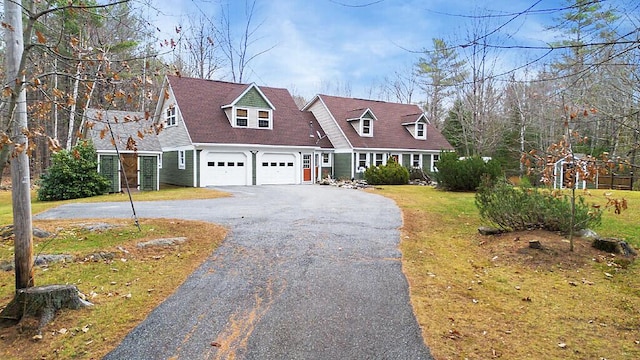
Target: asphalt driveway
306,272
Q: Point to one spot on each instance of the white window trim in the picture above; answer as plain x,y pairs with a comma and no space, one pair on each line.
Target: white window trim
235,117
419,161
424,131
362,127
434,161
182,159
367,162
328,159
171,116
383,160
270,118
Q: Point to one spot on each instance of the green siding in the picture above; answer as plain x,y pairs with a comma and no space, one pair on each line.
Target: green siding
109,169
426,162
342,164
254,172
253,99
406,160
198,154
170,174
148,173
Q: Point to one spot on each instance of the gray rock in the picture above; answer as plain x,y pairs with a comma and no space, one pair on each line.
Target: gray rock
99,256
587,233
162,242
6,265
485,230
47,259
98,226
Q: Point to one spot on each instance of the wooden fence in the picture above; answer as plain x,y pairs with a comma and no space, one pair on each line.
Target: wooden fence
616,182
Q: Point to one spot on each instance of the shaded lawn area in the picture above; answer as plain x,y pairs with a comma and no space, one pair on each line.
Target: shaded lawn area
123,289
480,297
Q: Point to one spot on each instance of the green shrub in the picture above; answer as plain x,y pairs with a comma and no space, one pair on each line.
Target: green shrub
390,174
464,175
514,209
73,174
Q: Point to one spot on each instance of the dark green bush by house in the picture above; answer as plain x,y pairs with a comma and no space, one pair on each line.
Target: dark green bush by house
466,174
515,209
72,175
390,174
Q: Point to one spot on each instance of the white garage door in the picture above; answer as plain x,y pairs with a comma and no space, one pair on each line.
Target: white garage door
225,169
277,169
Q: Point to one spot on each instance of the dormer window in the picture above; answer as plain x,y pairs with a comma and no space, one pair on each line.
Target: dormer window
242,118
366,127
416,124
171,116
264,119
251,110
420,133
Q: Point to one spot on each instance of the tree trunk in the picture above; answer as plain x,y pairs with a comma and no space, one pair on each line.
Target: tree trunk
42,302
20,176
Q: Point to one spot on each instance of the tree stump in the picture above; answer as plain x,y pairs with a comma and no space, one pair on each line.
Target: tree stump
614,246
535,244
42,302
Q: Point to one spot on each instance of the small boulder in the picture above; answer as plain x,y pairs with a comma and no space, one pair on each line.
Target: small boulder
485,230
162,242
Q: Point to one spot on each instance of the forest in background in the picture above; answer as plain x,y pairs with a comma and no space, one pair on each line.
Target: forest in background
83,54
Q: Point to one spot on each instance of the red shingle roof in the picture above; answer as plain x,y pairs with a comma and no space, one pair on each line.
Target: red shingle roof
388,132
200,102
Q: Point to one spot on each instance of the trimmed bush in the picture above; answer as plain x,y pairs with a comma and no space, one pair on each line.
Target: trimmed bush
464,175
390,174
514,209
72,175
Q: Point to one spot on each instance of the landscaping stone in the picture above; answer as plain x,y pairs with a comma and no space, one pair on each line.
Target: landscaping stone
162,242
6,232
47,259
99,256
587,233
98,226
485,230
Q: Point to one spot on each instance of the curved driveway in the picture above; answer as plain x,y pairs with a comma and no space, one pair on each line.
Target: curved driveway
306,272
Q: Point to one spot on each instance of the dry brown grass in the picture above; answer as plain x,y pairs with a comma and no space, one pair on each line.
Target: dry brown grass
492,297
123,290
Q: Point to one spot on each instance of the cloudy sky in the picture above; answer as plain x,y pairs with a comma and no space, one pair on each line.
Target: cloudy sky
325,45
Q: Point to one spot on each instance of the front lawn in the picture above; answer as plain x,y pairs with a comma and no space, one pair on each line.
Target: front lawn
479,297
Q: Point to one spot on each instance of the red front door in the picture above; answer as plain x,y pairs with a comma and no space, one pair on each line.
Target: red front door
306,167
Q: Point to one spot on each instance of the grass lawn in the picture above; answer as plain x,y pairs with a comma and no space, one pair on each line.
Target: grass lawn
479,297
123,289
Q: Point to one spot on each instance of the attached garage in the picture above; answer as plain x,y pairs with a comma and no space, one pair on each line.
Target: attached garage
225,168
277,168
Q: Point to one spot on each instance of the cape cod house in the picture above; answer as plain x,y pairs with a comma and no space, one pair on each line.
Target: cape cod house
367,133
136,159
221,133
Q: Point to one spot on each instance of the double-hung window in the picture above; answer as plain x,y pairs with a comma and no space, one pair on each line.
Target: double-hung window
264,119
379,160
362,161
420,130
415,160
326,159
366,126
242,118
171,116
